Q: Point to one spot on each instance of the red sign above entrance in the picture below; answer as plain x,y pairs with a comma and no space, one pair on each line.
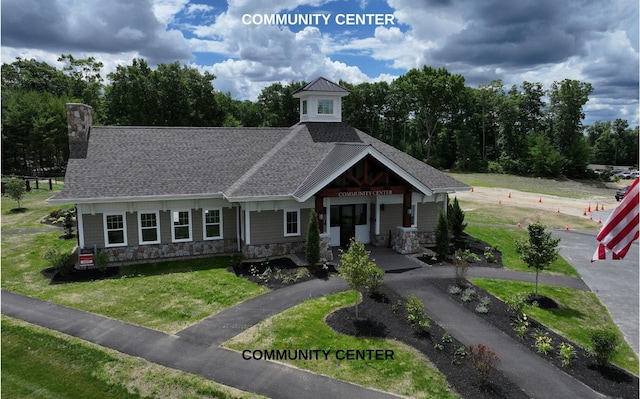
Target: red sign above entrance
364,193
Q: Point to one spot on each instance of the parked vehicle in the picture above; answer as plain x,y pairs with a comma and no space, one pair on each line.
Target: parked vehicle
626,175
621,193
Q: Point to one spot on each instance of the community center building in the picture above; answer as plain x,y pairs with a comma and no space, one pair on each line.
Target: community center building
150,193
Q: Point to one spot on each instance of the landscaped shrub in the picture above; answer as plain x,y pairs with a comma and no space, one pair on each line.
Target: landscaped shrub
459,354
483,360
489,255
543,342
454,290
482,309
604,343
515,303
61,261
566,354
521,325
416,316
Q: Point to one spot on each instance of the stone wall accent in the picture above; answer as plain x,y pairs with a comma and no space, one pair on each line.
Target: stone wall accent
326,254
271,250
138,253
79,121
406,241
427,238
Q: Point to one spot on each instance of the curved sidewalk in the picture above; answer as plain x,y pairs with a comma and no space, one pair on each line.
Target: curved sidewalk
534,375
187,352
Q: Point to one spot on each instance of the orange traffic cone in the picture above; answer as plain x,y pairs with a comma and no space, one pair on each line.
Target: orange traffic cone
567,228
589,208
471,189
509,195
584,213
602,208
519,225
499,202
540,199
597,207
558,211
599,221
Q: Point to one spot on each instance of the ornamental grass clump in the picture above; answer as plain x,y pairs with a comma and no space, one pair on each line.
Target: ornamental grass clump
566,354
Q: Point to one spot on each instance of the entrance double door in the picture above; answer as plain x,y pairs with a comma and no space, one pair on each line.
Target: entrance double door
346,218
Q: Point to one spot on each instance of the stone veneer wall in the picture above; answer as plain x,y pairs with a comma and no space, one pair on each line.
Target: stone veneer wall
286,248
164,251
406,241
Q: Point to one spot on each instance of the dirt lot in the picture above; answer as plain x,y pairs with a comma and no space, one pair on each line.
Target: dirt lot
508,200
538,203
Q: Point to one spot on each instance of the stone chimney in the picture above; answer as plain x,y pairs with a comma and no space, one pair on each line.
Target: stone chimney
79,125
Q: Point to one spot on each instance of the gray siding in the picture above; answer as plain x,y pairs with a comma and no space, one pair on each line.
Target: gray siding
132,228
196,225
165,227
230,222
93,230
267,227
390,218
428,216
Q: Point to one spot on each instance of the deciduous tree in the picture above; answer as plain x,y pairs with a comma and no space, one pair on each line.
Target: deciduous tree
358,271
540,250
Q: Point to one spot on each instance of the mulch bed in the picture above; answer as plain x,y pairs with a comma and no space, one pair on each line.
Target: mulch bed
282,272
57,277
610,380
383,316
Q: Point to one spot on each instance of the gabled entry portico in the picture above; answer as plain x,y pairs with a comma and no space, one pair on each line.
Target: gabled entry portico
369,199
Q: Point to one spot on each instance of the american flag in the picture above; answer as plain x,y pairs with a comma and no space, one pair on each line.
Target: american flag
621,228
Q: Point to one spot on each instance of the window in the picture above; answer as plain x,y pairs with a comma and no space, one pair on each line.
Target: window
149,228
304,107
361,214
291,223
325,107
181,221
115,230
212,222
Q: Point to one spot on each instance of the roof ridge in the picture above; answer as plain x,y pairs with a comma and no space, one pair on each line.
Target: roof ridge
261,162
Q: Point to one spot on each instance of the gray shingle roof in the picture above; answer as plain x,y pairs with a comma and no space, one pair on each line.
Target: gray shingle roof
322,84
124,163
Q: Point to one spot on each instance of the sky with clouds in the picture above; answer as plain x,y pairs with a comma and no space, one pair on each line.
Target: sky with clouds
525,40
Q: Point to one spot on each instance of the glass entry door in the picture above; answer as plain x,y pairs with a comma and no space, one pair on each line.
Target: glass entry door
347,217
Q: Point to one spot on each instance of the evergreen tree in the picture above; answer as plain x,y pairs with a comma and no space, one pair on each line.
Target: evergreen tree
442,236
455,215
312,248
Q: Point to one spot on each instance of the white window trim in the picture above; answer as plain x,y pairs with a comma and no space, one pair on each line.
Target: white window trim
204,224
297,233
305,107
140,228
173,227
106,231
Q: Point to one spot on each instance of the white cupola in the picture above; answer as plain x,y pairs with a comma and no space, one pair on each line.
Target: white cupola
321,101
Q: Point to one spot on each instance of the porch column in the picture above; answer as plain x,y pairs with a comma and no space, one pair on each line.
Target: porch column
320,212
406,208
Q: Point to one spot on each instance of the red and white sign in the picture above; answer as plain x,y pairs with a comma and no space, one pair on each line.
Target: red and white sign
85,260
621,228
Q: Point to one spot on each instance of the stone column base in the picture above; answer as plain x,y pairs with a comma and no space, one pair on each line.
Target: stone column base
326,254
406,240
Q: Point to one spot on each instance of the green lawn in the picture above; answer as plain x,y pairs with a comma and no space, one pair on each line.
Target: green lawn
166,296
579,312
504,239
408,374
40,363
36,209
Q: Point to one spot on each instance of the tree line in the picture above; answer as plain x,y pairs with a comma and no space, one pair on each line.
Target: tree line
429,113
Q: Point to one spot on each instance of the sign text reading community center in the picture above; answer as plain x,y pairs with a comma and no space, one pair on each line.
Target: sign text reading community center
318,19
